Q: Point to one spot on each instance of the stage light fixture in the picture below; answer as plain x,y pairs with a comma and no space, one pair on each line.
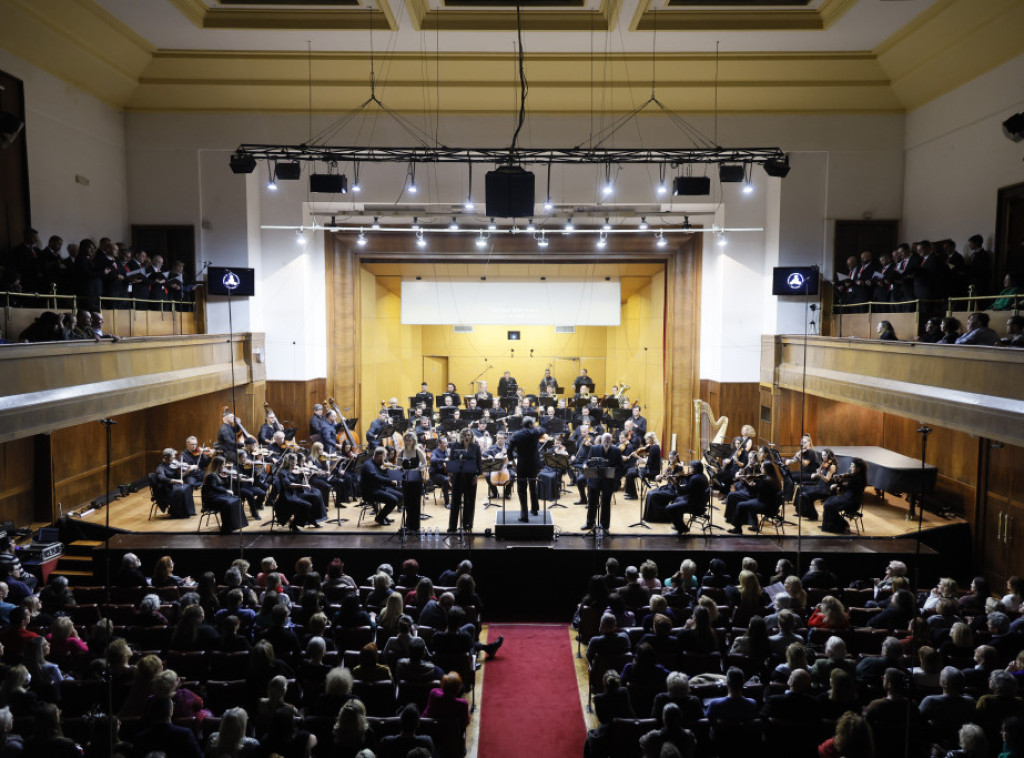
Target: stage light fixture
271,184
469,205
361,239
492,226
530,227
454,225
722,241
420,239
1013,127
290,171
481,241
569,228
300,237
548,205
413,189
542,241
242,162
356,186
607,224
777,167
661,241
748,180
607,188
376,223
662,185
415,223
643,223
602,240
730,172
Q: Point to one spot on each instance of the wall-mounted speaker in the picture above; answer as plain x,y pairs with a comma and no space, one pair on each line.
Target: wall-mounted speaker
509,192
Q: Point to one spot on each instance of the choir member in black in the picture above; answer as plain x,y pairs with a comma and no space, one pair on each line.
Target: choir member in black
316,421
157,278
196,459
217,496
665,488
599,491
818,488
252,484
847,494
525,448
227,437
507,385
413,459
582,381
765,490
694,496
298,503
138,284
438,472
178,288
548,384
639,422
808,459
172,493
464,485
651,466
377,488
503,478
376,430
583,441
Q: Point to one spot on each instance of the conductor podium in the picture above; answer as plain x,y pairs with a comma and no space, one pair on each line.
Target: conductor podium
507,526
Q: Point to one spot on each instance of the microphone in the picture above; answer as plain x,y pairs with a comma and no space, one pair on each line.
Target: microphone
111,421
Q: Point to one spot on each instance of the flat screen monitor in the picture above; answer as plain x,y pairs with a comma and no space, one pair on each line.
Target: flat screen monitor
795,280
219,281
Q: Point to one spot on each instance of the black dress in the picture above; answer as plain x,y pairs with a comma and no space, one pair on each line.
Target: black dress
217,497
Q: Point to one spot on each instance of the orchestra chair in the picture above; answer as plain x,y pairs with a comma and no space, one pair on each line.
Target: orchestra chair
465,665
777,520
154,502
209,511
364,506
855,519
626,734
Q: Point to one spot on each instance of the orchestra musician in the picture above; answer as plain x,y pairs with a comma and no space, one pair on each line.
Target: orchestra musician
227,437
278,447
765,488
316,421
639,422
524,446
507,385
413,458
583,440
217,496
375,433
548,384
581,381
693,497
808,459
319,473
665,488
483,397
483,437
377,488
426,397
548,418
731,466
464,485
450,392
527,408
819,487
270,426
173,491
648,467
497,412
394,409
297,502
424,430
438,472
196,459
329,431
596,414
744,487
505,477
847,493
600,490
252,484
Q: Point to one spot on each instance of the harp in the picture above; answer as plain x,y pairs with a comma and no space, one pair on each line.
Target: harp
711,430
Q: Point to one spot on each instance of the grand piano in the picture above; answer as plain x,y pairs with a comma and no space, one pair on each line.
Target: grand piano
891,472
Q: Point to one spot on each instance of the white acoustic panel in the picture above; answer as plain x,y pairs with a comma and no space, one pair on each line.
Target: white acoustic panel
512,303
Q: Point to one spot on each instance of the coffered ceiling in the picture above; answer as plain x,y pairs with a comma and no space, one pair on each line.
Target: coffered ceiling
767,56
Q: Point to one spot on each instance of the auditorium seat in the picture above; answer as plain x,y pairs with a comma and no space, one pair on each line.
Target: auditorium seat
380,698
416,692
626,734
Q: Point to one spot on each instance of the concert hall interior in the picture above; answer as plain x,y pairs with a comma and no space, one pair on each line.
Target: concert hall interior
890,116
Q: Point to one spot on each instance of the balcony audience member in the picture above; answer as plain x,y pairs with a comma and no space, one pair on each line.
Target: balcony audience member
978,331
950,331
932,330
1014,332
1006,296
885,331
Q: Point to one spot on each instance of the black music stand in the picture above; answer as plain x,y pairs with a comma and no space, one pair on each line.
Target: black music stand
337,503
559,463
546,401
490,466
640,499
402,476
455,467
515,423
602,471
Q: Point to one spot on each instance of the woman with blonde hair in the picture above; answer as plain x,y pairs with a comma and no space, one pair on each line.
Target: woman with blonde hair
830,614
230,741
187,704
64,639
795,589
946,588
142,687
352,732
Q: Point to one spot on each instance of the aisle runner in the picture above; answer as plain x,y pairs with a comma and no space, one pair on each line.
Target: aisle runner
531,703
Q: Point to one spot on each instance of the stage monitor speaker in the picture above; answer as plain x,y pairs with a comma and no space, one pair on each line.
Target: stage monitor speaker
328,184
509,192
691,185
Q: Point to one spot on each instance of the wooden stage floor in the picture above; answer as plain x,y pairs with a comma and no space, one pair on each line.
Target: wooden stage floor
883,517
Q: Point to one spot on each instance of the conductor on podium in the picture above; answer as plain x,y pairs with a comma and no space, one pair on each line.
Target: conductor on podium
599,491
524,446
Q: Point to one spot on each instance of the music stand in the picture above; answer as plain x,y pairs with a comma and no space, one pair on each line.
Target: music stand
559,463
473,414
490,466
515,423
640,499
455,467
600,471
337,503
546,401
396,414
403,475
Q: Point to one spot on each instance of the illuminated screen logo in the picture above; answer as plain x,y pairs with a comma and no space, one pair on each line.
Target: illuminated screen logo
231,281
795,281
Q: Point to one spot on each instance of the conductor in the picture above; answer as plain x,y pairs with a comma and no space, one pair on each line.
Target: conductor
600,490
524,446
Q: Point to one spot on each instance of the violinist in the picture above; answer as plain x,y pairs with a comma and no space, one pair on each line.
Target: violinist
808,459
503,478
318,464
217,496
693,497
413,458
583,441
664,488
744,484
483,437
765,488
731,466
344,474
647,460
278,448
847,493
438,473
252,484
524,445
173,493
297,501
464,485
819,488
227,437
375,433
195,459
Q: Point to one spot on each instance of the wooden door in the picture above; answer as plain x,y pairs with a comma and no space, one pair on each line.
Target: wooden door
1000,521
1009,242
435,372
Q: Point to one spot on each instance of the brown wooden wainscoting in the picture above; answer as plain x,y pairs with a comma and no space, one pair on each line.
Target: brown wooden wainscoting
17,485
737,400
293,403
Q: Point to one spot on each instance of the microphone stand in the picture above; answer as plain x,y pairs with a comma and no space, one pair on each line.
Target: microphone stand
924,431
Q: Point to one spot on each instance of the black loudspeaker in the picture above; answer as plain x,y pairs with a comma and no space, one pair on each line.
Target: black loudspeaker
290,171
691,185
1013,127
328,184
731,172
509,192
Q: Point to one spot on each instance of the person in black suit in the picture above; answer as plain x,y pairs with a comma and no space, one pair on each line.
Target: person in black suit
524,447
599,491
548,385
373,434
218,496
377,488
507,385
464,485
227,441
693,498
583,380
639,422
165,737
929,277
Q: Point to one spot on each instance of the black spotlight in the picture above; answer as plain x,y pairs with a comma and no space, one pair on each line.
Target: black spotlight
288,172
730,172
691,185
10,128
328,184
777,167
242,163
1013,127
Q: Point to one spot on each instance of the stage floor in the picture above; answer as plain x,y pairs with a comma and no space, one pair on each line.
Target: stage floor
883,517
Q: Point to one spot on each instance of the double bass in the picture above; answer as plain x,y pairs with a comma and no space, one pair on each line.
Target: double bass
243,433
350,436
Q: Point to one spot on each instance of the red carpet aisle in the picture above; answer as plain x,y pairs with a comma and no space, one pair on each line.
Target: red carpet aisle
531,703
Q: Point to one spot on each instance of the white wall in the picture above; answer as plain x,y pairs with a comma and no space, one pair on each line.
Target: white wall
957,157
72,133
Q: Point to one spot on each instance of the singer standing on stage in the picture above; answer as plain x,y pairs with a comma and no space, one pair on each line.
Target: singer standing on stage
599,491
524,446
464,485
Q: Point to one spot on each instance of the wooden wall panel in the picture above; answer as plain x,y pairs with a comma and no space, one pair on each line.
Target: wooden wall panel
293,403
837,424
344,369
740,401
17,465
80,457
